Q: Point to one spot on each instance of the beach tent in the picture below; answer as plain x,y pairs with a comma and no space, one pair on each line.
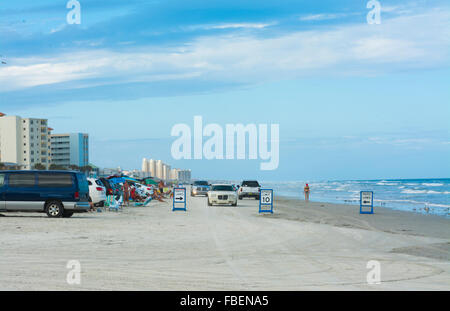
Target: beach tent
130,179
149,181
117,180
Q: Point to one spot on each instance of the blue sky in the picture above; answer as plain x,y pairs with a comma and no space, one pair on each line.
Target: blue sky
354,101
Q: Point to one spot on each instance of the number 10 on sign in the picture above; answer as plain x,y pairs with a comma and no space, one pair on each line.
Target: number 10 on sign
266,201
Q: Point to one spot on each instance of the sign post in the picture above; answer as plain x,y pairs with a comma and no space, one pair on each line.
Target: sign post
265,201
179,197
366,201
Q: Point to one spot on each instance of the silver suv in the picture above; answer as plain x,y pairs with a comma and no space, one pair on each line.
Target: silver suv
200,187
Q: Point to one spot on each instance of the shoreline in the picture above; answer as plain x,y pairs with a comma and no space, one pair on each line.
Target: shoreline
384,219
422,196
356,204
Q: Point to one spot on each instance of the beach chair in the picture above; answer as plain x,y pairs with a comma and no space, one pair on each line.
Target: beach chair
116,205
109,198
149,199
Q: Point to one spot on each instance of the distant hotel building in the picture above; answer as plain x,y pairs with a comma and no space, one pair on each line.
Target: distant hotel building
149,167
180,175
158,169
24,141
70,149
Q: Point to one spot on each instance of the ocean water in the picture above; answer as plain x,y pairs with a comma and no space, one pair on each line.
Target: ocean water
424,196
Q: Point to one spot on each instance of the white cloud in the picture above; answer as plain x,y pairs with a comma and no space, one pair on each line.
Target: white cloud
240,25
229,26
401,43
321,17
406,141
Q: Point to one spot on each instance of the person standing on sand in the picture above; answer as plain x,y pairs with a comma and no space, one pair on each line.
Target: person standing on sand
161,187
126,193
306,191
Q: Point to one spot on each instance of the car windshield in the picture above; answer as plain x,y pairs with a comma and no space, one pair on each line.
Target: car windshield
222,188
250,184
201,183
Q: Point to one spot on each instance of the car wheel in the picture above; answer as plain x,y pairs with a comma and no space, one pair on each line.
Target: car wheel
256,198
209,203
67,214
192,195
235,203
101,204
240,197
54,209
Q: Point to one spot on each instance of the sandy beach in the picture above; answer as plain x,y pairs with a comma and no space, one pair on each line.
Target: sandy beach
314,246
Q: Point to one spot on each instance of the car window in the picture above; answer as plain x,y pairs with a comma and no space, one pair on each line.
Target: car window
83,183
2,179
250,184
55,180
222,188
200,183
89,183
99,183
105,183
21,180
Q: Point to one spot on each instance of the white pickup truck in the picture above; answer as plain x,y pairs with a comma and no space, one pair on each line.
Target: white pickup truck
249,189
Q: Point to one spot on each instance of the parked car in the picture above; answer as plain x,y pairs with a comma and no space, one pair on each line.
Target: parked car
97,192
57,193
146,190
200,187
109,189
249,189
222,194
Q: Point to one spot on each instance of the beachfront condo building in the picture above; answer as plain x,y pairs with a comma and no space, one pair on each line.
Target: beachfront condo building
24,142
152,167
155,168
149,167
161,170
70,149
184,176
166,171
145,167
180,175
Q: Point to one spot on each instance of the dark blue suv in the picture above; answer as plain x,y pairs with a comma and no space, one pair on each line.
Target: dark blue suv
57,193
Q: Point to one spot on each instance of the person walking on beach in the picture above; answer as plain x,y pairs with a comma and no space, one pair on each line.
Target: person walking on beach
306,191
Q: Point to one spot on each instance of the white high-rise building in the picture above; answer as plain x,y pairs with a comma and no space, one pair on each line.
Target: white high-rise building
166,171
145,167
173,174
24,141
159,169
152,167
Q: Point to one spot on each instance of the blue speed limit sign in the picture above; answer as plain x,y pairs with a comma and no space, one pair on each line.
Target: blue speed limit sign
266,201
